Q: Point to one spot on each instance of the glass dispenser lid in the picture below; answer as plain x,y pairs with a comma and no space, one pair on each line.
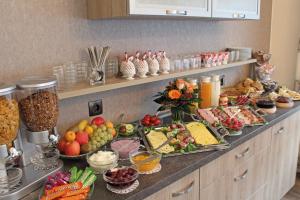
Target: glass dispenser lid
36,83
6,89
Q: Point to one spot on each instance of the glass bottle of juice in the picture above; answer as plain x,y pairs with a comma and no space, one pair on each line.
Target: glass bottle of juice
205,92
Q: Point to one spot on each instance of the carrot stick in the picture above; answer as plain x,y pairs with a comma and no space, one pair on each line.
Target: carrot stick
77,192
76,197
54,195
71,186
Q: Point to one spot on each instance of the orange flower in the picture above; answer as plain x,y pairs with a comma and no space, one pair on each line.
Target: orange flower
174,94
180,83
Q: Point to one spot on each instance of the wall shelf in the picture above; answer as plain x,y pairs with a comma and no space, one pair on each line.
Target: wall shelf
117,83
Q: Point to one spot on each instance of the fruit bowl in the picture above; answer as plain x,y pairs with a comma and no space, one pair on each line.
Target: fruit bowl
150,121
121,177
86,138
234,126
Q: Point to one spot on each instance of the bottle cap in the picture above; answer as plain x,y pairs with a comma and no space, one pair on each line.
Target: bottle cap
205,79
215,77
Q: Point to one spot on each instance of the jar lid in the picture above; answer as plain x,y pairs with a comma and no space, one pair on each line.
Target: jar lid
193,81
205,79
215,77
36,82
6,89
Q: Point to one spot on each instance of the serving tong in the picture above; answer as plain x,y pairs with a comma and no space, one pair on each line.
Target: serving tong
98,56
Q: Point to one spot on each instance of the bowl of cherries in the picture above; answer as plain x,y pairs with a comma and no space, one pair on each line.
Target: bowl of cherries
150,121
234,125
121,177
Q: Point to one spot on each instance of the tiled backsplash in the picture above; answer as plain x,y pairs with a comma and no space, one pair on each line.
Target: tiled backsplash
35,35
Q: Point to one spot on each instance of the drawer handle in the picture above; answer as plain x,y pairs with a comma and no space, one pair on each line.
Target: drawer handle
176,12
280,131
241,155
242,16
241,177
235,15
187,190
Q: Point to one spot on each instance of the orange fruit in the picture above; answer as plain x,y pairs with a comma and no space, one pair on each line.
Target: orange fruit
89,130
70,136
112,131
109,124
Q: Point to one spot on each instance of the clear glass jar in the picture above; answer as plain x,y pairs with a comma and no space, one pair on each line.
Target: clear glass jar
9,115
216,90
38,103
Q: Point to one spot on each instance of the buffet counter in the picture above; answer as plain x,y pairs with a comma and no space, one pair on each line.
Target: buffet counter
262,159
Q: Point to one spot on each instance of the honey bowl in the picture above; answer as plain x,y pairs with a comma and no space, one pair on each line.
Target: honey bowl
145,161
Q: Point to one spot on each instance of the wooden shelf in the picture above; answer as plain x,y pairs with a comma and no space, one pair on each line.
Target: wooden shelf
117,83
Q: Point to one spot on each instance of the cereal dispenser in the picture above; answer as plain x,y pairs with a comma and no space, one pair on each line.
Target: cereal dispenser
37,104
39,113
9,128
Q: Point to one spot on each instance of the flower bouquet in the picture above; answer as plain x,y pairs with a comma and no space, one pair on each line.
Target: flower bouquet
180,97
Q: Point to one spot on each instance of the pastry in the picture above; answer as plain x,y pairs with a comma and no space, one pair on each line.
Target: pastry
248,82
284,102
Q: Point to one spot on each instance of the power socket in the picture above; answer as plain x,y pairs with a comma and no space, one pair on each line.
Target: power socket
222,80
95,107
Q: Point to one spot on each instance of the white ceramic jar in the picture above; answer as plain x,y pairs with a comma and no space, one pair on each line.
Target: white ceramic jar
164,63
127,68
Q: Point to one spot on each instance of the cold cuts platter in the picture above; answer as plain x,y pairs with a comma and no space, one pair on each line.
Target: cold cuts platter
230,120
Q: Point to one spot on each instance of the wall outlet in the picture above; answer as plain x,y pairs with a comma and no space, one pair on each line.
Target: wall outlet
95,108
222,80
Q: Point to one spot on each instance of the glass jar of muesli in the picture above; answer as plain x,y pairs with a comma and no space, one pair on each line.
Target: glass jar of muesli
38,103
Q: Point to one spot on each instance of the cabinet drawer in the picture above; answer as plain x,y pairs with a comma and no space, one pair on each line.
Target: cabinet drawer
237,156
226,163
186,188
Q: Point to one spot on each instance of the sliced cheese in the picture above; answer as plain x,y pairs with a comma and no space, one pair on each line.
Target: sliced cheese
156,138
201,134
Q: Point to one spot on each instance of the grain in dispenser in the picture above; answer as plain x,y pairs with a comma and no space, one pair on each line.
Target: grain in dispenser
38,104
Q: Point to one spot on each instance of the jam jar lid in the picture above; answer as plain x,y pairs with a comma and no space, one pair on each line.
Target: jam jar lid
6,89
36,83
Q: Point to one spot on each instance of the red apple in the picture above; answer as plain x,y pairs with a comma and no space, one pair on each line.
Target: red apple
98,121
61,145
82,137
72,149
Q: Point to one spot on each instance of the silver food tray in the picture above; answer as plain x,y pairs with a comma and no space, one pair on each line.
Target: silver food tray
258,116
200,148
254,113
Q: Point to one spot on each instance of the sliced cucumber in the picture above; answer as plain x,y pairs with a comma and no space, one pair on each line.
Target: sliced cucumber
90,180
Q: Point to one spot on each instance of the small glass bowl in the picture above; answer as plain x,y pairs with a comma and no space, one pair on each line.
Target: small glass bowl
121,184
14,176
124,149
45,159
143,166
101,167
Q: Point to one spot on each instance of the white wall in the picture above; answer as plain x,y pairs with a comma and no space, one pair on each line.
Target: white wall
285,35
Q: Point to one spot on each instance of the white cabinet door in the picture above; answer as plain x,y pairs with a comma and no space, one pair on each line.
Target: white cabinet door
239,9
192,8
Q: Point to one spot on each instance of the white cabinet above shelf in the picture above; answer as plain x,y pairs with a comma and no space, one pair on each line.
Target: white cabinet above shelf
230,9
117,83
